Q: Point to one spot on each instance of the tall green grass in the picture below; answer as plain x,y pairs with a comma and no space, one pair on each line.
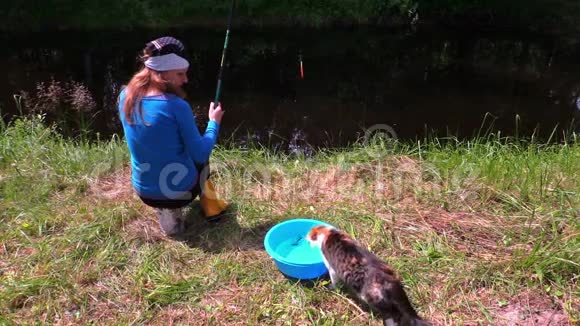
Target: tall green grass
36,154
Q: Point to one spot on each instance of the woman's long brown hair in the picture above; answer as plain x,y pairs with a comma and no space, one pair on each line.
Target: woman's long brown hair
137,88
140,83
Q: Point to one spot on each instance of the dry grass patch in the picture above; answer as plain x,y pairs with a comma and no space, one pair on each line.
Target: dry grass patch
145,228
115,187
531,308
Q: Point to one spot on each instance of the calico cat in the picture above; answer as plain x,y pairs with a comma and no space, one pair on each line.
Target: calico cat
366,275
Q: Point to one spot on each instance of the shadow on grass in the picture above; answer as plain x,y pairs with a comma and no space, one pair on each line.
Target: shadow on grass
312,283
226,234
322,283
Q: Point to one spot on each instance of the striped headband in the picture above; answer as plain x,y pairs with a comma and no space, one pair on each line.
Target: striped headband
167,40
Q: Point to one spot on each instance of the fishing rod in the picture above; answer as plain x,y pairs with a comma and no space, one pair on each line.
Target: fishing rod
221,71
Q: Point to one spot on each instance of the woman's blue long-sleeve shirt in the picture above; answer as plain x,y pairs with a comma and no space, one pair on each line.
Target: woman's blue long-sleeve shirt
164,152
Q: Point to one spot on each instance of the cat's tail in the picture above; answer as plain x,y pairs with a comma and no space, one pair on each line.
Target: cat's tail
405,308
413,322
420,322
391,300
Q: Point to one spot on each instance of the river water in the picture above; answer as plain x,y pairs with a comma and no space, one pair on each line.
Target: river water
417,82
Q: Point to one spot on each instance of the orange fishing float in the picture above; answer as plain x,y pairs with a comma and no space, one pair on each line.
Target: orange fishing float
301,67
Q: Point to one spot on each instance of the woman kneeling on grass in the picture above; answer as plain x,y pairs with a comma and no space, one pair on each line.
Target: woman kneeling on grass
169,157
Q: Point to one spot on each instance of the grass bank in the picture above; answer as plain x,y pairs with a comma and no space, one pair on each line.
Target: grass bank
482,232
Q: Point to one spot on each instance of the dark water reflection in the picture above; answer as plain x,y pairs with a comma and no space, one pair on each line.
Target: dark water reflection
422,82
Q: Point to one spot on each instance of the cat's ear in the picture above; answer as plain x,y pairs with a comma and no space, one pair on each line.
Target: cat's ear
310,240
312,234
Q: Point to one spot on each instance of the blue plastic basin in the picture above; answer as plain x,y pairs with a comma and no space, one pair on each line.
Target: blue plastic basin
286,243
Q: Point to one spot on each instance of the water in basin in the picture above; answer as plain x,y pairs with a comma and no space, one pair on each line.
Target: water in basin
297,250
